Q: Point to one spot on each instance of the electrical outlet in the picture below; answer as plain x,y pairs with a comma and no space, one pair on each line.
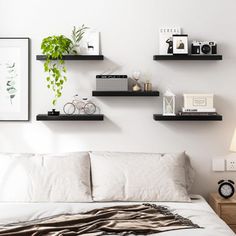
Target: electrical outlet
231,164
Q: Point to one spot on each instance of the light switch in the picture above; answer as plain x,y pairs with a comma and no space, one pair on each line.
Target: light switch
218,164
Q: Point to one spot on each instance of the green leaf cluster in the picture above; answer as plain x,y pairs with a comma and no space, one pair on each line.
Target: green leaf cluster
77,35
54,47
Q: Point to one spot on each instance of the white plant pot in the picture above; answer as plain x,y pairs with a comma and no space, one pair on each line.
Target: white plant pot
77,49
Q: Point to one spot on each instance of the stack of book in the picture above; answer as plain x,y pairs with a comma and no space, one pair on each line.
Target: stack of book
198,111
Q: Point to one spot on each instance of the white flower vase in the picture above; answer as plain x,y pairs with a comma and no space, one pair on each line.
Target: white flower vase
77,49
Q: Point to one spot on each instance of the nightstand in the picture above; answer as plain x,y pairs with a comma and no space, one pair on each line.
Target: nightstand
224,208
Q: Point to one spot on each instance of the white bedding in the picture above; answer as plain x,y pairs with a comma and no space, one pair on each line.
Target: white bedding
198,211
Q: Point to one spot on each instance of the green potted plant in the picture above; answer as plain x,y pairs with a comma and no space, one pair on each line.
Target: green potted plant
54,47
77,35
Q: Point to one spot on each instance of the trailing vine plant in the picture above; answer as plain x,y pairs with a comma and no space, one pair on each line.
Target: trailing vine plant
54,47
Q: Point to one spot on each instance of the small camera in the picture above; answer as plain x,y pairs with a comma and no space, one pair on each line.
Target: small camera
204,48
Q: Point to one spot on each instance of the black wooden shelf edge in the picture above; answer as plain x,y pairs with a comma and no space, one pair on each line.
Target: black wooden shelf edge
188,57
74,57
160,117
96,117
125,93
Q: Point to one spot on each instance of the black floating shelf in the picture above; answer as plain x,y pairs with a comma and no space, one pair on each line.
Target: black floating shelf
125,93
188,57
160,117
74,57
97,117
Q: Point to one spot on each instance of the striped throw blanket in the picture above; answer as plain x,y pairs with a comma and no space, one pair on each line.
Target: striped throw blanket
140,219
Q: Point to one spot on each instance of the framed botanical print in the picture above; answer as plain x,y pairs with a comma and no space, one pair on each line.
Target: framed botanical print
14,79
90,44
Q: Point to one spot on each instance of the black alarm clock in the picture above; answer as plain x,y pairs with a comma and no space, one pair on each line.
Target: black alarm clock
226,188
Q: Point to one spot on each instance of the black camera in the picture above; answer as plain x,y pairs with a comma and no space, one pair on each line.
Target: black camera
204,48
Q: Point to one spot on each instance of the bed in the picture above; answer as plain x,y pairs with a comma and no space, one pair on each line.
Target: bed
198,211
36,187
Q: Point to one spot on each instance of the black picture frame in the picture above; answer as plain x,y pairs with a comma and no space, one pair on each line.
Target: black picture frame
180,44
26,90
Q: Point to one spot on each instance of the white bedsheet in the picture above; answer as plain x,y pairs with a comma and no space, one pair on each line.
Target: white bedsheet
198,211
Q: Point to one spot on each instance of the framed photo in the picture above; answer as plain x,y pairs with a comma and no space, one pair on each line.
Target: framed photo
199,101
180,44
14,79
90,44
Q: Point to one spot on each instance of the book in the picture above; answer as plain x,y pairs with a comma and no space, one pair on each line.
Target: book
198,110
198,113
111,76
166,39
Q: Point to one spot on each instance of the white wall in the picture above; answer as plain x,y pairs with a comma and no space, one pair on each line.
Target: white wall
129,30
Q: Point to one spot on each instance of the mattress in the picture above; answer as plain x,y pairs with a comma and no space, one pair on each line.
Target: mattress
198,211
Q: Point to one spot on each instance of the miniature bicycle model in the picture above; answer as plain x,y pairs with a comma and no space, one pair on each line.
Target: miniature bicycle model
83,106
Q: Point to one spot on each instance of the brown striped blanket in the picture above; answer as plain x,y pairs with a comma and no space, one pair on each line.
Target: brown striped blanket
140,219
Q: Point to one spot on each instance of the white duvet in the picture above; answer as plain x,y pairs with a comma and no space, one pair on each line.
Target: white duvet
198,211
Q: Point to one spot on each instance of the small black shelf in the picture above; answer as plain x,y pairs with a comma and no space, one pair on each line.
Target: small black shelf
96,117
125,93
74,57
188,57
160,117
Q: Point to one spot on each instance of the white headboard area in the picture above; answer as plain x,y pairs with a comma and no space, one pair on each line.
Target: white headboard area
129,34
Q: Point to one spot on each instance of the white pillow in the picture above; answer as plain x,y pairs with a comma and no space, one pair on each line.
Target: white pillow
138,177
14,176
43,178
189,173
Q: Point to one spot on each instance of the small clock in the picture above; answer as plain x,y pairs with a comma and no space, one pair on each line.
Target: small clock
226,188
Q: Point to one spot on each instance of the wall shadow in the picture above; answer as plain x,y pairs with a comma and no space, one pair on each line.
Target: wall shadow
75,127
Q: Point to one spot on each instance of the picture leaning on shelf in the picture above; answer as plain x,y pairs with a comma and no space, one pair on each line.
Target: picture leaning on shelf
173,42
198,104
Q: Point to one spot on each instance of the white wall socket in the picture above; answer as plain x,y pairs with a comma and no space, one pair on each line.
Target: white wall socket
231,164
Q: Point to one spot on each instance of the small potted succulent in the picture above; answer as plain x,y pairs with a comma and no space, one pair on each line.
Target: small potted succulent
54,47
